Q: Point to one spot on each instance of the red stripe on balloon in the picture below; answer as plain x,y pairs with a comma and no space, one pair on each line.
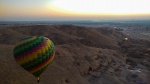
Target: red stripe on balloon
32,70
30,51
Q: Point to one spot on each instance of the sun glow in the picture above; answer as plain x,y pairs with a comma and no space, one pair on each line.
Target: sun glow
73,9
103,7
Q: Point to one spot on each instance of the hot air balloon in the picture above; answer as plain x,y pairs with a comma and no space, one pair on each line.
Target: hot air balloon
34,54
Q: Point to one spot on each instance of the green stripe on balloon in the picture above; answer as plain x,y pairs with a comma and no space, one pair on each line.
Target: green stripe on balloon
25,48
22,46
49,52
27,38
44,56
34,63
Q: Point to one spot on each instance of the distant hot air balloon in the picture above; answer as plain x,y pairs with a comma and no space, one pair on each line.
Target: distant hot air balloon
34,54
126,39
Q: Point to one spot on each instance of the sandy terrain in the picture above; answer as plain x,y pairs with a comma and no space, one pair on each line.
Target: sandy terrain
83,56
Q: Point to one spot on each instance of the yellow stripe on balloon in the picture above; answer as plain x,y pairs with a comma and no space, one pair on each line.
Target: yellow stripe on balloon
43,50
33,55
44,64
28,40
28,58
46,48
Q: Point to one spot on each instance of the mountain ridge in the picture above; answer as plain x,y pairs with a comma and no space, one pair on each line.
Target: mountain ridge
84,55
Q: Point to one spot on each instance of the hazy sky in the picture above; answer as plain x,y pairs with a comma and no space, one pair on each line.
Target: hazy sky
74,9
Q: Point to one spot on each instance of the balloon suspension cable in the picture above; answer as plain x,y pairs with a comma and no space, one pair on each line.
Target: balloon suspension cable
38,79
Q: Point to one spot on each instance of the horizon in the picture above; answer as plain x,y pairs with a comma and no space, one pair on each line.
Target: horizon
72,10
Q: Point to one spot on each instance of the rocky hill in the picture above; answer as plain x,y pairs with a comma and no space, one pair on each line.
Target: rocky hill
83,56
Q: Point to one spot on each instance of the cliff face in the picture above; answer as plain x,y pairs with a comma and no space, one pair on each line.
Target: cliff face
83,55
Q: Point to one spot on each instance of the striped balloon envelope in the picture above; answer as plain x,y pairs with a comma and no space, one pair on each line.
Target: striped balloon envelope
34,54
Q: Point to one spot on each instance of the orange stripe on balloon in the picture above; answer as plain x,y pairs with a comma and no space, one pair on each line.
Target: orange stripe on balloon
46,62
25,55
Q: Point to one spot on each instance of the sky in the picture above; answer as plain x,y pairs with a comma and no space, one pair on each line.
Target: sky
46,10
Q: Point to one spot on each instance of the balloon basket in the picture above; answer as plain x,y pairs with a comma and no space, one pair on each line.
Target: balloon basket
38,79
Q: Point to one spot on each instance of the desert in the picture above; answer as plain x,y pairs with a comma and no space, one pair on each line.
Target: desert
84,55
